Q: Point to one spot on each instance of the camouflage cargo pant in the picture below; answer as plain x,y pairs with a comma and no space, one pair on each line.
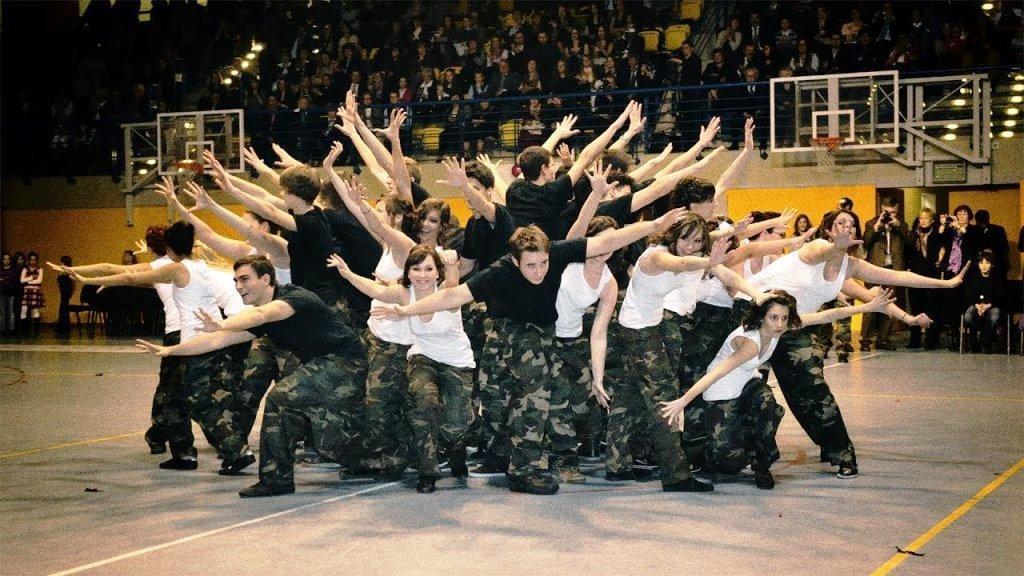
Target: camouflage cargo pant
265,364
799,366
494,387
170,409
328,391
838,331
442,410
702,333
474,315
213,384
531,366
570,395
387,404
741,431
647,381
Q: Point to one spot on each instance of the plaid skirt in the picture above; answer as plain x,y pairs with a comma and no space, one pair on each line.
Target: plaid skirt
32,297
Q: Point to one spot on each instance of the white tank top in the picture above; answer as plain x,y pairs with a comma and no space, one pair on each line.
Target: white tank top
575,295
805,282
711,291
281,275
747,272
172,322
200,294
731,385
394,331
442,339
645,297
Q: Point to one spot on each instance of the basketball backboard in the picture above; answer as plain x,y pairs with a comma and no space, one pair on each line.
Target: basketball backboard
183,136
861,108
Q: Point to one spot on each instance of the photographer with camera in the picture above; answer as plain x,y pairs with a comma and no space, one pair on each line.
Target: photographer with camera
886,238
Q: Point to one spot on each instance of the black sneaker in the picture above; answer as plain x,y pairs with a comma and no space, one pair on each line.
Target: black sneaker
823,457
154,446
763,478
691,484
457,464
847,470
235,468
180,464
390,474
489,469
425,485
533,484
843,357
261,490
865,347
626,476
645,474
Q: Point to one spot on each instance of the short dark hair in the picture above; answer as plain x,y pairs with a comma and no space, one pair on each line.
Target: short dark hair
528,239
829,218
301,181
982,217
533,160
155,239
271,227
619,160
260,265
965,208
987,255
66,260
181,237
890,202
754,317
480,173
845,203
418,254
689,191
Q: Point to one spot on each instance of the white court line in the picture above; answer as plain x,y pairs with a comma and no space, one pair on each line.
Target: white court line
64,348
194,537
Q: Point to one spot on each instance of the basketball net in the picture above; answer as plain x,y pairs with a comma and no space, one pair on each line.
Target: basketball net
187,171
825,149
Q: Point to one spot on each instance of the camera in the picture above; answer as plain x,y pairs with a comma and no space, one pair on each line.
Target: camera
886,217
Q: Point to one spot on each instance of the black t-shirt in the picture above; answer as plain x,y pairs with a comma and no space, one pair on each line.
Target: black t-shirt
308,247
619,209
358,248
419,194
541,205
486,243
510,295
314,330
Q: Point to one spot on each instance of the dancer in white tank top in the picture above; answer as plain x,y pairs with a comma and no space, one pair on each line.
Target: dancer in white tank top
740,409
440,360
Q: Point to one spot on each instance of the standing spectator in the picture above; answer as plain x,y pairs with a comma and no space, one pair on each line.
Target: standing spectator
992,237
66,285
689,65
825,27
753,103
959,248
757,33
922,40
923,258
986,293
851,30
545,54
10,285
32,301
786,39
884,26
885,241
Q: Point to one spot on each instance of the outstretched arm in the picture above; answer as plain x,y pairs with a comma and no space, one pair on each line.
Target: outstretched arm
765,248
563,130
854,289
394,294
446,299
201,344
271,244
665,261
652,166
879,303
261,167
598,188
735,170
257,205
253,189
376,150
594,150
707,136
744,350
636,126
730,278
662,185
872,274
456,178
229,247
615,239
394,239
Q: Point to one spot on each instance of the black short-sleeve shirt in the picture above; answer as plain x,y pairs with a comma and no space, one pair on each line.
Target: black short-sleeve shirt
308,248
419,194
619,209
486,243
541,205
314,330
358,248
508,294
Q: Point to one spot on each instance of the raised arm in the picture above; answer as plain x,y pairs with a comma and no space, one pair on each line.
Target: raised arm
350,114
251,158
399,170
456,178
271,244
257,205
744,350
394,294
636,126
652,166
735,170
500,183
599,341
663,185
394,239
563,130
868,272
348,128
594,150
707,136
452,270
598,188
253,189
229,247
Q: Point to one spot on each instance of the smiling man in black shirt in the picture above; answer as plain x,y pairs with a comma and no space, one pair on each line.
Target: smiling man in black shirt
326,388
520,292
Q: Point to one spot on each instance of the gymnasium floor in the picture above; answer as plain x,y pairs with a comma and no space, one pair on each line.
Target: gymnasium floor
939,438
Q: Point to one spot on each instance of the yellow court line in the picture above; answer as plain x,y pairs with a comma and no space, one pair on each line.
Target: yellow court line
69,445
953,516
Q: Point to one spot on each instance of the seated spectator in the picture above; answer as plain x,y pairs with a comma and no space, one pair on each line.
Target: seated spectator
804,61
985,295
851,30
533,128
730,38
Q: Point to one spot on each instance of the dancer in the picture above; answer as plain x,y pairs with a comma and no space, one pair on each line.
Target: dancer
326,388
742,414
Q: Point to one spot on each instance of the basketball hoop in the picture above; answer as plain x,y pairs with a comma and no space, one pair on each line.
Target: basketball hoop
825,149
187,171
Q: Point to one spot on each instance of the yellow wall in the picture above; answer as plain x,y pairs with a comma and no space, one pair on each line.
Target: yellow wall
1005,207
